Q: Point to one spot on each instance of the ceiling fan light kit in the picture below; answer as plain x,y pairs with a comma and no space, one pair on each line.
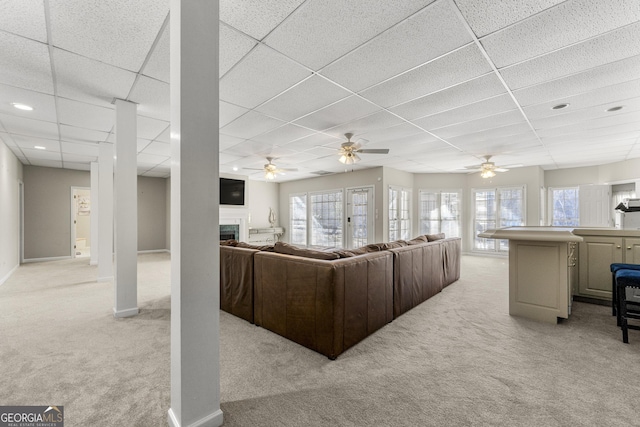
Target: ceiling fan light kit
349,149
271,171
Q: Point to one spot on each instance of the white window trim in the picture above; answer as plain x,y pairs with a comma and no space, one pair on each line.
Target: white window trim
550,201
473,214
409,209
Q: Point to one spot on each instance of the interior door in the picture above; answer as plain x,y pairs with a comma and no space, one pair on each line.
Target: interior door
360,217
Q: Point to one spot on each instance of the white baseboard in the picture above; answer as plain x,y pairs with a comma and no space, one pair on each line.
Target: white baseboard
125,313
6,276
212,420
153,251
53,258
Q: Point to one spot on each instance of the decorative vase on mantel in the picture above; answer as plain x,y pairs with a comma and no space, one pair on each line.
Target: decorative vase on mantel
272,218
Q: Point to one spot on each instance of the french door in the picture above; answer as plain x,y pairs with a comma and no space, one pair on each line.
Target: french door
360,217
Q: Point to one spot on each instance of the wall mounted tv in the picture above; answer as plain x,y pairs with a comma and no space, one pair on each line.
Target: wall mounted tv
232,191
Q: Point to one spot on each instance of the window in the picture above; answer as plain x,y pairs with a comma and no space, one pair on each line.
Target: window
298,219
326,215
440,212
564,205
316,218
495,208
399,213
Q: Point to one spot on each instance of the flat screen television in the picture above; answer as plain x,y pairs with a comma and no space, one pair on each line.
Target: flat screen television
231,192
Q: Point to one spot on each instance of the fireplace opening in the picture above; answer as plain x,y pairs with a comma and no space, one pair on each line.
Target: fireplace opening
229,231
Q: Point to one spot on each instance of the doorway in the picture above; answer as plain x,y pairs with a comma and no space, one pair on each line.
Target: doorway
360,217
80,222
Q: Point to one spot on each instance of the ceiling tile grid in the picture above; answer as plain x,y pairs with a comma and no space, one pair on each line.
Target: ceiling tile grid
430,33
456,67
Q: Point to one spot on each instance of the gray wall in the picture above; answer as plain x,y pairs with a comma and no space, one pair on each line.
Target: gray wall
47,224
47,210
11,173
152,213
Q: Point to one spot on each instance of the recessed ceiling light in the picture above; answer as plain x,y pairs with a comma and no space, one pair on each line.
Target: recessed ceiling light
20,106
619,107
40,147
559,106
235,168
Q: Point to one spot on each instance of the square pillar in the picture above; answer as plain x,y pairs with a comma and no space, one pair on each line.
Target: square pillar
105,216
95,212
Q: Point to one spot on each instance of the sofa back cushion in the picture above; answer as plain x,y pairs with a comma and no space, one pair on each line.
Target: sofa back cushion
434,237
285,248
267,248
376,247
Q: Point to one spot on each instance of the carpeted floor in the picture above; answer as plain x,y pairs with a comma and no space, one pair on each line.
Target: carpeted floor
458,359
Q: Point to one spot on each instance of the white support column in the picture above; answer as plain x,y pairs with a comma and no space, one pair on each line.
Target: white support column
126,211
105,217
195,265
95,213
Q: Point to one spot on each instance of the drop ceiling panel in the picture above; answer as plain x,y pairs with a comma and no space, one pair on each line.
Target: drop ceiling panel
250,125
81,114
391,135
73,134
158,64
255,17
25,64
150,128
158,148
569,22
90,81
487,16
230,112
308,96
370,123
141,144
488,107
165,136
77,166
322,31
454,68
610,47
104,30
24,18
34,155
250,148
595,78
29,127
617,121
153,174
432,32
78,158
151,159
283,135
153,98
343,111
312,141
588,114
462,94
498,120
261,75
84,149
7,139
506,133
228,141
615,94
227,158
31,142
44,107
601,136
233,46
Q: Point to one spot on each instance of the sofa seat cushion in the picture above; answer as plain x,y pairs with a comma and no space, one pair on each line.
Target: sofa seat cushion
285,248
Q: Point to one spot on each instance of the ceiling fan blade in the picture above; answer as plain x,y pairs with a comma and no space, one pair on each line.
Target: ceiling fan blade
286,170
254,169
501,169
373,151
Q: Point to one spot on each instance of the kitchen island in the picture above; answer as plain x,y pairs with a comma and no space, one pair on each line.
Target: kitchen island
542,270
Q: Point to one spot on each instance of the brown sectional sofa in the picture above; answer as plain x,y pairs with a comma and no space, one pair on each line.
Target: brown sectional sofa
325,305
330,300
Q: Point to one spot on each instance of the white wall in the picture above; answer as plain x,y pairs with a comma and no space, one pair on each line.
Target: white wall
10,176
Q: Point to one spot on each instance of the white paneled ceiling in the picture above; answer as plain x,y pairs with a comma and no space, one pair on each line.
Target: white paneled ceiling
440,83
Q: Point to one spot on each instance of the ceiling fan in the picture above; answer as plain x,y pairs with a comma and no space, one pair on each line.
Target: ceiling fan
349,149
270,170
487,169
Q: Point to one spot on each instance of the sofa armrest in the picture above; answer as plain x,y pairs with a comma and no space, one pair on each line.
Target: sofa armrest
451,257
236,281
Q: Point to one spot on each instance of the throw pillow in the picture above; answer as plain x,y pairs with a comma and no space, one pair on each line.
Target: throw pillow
434,237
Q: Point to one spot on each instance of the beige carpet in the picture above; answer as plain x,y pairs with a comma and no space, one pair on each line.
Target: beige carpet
458,359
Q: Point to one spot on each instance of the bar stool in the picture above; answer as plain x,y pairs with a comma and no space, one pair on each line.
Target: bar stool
627,279
615,267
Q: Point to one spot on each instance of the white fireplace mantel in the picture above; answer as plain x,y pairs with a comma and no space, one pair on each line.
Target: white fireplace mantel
238,216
